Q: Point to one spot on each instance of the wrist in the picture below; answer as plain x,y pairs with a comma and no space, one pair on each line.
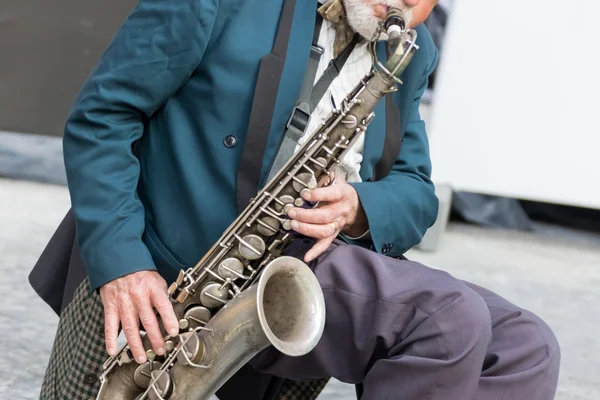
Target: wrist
359,225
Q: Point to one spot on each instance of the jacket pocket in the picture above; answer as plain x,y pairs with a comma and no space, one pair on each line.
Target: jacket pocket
166,262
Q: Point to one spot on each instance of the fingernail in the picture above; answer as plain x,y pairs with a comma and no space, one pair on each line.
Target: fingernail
141,359
295,224
292,213
160,351
173,332
112,351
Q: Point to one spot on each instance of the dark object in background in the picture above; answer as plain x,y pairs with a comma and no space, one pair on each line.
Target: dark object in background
489,211
436,25
48,48
574,217
509,213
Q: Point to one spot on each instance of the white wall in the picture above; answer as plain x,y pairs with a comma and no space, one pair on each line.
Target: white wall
516,110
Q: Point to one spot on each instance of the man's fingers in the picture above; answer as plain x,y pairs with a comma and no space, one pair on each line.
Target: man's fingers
321,215
129,320
150,324
318,249
165,310
329,193
111,329
318,231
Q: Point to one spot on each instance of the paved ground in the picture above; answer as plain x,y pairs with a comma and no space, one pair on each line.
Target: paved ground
555,273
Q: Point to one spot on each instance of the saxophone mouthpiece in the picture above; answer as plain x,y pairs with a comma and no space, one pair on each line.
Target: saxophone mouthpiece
395,21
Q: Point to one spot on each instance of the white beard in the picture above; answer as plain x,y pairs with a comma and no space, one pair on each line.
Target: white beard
361,18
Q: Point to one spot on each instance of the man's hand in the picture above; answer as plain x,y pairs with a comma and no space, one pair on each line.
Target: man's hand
339,210
131,299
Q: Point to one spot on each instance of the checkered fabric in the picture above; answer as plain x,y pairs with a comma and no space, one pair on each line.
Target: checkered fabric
78,354
309,390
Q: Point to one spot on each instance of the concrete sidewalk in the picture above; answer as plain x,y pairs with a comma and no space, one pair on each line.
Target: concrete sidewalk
554,272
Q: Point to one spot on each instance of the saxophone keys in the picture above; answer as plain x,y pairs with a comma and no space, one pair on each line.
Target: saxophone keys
182,296
142,376
304,180
170,345
163,386
197,316
150,354
252,247
230,268
287,224
191,349
350,121
299,202
283,201
320,162
183,324
268,226
180,277
213,296
288,207
173,288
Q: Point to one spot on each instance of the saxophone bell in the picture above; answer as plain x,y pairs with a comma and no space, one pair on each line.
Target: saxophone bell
285,308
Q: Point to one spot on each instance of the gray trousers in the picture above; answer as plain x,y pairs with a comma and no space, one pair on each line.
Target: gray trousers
409,332
406,331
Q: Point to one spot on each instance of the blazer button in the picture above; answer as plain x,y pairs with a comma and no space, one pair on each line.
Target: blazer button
230,141
386,248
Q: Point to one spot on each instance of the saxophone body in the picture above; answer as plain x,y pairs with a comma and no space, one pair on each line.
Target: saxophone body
245,295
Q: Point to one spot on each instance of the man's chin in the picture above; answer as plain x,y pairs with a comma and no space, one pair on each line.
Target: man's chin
364,19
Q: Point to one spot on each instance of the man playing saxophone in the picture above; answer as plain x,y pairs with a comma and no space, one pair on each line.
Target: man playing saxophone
177,128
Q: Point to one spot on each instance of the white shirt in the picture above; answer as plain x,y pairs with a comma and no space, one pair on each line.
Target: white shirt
356,67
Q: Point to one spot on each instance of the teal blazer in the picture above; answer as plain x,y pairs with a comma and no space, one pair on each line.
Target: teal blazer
152,182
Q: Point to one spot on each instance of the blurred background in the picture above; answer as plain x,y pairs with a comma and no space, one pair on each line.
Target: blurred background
514,139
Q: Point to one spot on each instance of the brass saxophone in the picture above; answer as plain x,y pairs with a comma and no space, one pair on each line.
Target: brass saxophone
244,294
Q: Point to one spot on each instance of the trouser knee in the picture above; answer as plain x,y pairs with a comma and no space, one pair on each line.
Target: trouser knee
473,321
543,343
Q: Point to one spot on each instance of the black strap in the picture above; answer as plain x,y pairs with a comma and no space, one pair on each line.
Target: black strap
304,107
263,107
316,52
300,116
309,97
393,138
332,72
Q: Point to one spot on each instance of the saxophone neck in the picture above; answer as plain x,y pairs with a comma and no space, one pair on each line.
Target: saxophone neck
401,45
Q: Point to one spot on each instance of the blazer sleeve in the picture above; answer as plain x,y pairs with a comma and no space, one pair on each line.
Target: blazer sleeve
153,53
403,205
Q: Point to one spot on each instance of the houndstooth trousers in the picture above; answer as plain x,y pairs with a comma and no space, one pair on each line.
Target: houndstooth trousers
79,352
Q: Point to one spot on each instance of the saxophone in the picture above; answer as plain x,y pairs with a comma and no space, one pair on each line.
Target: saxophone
245,294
